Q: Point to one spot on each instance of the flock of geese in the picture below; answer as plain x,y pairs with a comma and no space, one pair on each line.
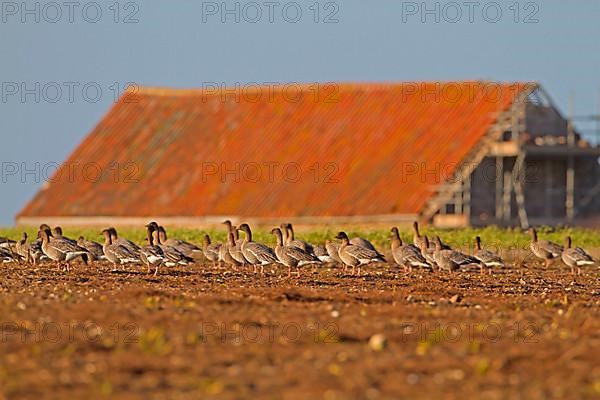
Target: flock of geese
293,253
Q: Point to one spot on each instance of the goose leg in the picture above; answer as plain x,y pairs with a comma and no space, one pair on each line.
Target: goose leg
156,270
289,271
298,272
578,270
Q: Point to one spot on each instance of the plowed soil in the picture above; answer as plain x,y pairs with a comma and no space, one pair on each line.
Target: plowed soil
210,332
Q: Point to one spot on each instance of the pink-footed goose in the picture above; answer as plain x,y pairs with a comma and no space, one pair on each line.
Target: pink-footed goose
544,249
486,257
60,250
256,253
406,255
211,251
291,256
356,256
116,253
575,257
151,254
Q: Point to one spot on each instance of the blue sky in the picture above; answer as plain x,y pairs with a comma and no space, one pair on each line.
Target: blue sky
51,52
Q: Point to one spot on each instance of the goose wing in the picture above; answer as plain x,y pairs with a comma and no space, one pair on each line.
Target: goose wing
461,258
153,252
263,253
66,246
358,241
551,247
362,253
174,255
300,254
487,257
578,256
412,256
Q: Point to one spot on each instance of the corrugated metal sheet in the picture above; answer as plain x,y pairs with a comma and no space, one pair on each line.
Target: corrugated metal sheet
377,149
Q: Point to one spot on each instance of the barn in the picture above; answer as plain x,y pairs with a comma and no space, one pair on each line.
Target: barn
450,153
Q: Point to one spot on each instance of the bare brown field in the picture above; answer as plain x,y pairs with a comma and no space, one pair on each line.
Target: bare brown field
209,332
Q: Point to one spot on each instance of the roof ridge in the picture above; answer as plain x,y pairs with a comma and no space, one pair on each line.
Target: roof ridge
217,87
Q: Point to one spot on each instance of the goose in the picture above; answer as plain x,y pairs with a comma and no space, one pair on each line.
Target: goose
57,233
422,241
128,244
256,253
211,251
333,249
544,249
187,248
358,241
486,257
575,257
407,256
322,254
151,254
355,256
418,240
225,254
236,250
428,251
61,250
31,252
173,256
451,260
116,253
95,249
292,241
291,256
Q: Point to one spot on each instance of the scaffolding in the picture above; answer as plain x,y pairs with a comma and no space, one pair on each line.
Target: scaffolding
509,146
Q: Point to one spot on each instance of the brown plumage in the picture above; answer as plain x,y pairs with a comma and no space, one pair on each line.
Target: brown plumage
211,251
544,249
116,253
291,256
256,253
575,257
406,255
61,250
355,256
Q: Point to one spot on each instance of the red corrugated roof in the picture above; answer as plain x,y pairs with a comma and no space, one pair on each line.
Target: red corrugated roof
356,153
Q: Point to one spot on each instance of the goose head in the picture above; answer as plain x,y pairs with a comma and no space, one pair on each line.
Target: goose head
57,231
246,229
278,235
228,224
343,237
107,233
46,228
